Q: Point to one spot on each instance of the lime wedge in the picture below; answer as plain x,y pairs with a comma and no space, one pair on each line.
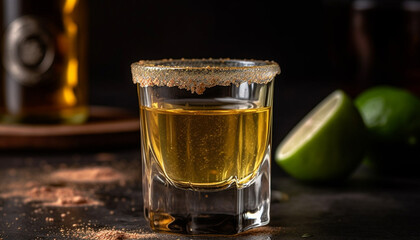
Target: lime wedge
328,144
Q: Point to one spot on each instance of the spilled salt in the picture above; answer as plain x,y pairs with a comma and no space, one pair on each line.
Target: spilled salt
53,196
97,174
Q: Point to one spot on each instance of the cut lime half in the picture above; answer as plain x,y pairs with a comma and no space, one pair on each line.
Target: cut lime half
327,144
392,118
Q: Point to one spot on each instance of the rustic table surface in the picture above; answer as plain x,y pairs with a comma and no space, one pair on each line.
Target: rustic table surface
367,206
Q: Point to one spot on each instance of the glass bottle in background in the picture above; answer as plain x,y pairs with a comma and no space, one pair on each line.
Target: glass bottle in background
377,36
44,65
362,12
412,52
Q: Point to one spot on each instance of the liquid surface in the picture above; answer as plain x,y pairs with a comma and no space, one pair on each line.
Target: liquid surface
207,148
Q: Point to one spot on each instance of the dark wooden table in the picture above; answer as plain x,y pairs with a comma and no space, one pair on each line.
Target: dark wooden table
365,207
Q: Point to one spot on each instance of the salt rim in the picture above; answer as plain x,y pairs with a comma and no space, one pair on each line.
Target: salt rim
196,75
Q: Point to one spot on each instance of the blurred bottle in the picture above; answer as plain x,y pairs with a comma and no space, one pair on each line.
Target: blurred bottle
377,29
411,10
44,74
361,25
385,36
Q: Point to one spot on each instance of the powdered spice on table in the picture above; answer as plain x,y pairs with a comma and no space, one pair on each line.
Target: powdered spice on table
53,196
95,174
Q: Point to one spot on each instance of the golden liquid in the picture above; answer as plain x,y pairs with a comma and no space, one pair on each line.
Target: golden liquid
207,148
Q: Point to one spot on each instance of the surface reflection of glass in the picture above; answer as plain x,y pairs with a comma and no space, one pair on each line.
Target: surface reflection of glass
206,143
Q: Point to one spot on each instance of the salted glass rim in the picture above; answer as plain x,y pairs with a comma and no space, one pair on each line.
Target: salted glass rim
198,74
206,63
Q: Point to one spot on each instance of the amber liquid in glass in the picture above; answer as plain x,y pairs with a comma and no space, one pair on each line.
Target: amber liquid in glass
207,148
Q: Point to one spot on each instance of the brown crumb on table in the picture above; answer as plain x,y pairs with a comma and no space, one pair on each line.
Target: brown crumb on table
113,234
266,230
306,235
278,196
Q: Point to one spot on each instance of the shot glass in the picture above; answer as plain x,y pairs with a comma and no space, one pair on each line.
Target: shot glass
205,143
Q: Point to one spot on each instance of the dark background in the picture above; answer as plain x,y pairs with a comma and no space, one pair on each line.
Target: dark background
320,45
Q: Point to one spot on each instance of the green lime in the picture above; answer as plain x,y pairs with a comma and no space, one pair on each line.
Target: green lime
328,144
392,117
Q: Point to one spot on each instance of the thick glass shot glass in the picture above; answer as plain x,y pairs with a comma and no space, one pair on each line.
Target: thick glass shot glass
206,143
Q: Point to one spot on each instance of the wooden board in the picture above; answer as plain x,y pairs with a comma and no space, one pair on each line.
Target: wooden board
106,127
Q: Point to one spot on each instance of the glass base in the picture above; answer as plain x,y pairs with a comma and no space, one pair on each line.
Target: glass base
220,212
